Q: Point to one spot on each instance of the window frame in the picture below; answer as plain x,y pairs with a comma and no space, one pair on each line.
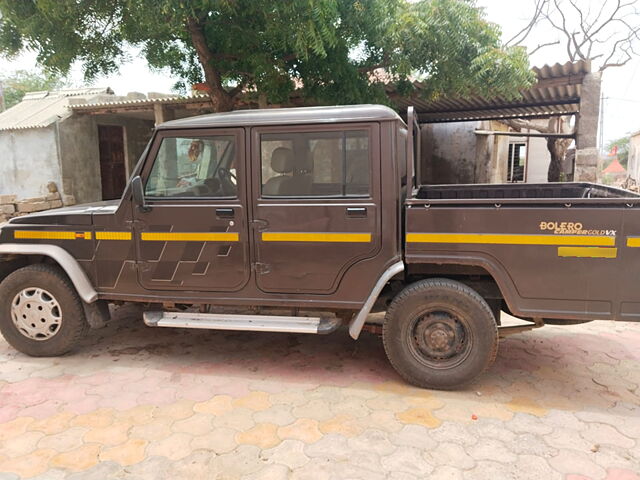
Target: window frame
341,128
512,145
161,135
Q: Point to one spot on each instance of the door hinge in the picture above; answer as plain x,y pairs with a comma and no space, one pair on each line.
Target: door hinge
260,267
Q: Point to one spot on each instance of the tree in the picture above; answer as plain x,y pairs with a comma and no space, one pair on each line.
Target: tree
607,35
20,82
622,147
313,51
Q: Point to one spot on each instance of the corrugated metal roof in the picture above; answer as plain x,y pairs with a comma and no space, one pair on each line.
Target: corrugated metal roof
41,109
138,102
556,92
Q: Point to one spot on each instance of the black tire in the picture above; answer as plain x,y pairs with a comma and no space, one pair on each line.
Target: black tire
440,334
71,326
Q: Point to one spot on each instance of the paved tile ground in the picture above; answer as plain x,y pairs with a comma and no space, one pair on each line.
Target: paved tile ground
141,403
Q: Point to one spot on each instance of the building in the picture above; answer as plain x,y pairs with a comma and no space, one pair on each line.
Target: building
470,140
87,141
42,140
633,164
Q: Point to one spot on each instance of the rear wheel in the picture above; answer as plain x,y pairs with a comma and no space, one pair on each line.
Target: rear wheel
40,312
440,334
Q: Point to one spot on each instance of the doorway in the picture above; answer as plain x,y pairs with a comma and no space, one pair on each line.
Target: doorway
112,161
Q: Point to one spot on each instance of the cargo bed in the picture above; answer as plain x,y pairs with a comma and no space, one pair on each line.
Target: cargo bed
521,190
555,250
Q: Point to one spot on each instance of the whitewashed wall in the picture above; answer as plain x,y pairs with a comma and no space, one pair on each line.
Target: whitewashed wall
28,161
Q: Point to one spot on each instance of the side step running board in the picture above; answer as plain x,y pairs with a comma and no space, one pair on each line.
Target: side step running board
253,323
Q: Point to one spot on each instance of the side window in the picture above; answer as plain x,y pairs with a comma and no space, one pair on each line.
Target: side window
194,167
315,164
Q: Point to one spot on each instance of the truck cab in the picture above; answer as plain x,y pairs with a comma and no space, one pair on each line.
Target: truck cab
288,220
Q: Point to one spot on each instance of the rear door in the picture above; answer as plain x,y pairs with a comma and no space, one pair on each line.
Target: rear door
316,197
194,235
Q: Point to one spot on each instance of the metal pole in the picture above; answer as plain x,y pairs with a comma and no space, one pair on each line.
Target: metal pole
601,122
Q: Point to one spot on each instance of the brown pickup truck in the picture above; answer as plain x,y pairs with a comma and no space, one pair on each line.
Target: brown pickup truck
300,220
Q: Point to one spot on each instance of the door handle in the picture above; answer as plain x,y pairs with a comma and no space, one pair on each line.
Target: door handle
356,212
225,212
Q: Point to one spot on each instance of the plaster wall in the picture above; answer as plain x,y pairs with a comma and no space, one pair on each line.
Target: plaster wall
633,166
538,159
80,159
449,152
455,153
81,155
28,161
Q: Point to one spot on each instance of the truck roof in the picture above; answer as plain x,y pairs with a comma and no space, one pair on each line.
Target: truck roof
279,116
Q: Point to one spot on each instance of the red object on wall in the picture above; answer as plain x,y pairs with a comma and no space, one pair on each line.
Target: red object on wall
200,87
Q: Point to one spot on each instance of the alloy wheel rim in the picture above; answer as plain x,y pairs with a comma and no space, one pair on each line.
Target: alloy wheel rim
36,313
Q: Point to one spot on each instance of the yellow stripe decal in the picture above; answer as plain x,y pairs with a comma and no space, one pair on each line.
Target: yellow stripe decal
190,237
316,237
511,239
51,235
633,241
587,252
113,235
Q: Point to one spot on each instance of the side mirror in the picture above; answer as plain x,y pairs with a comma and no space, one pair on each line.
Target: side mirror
137,189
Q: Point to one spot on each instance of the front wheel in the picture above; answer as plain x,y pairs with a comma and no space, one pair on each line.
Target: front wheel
40,312
440,334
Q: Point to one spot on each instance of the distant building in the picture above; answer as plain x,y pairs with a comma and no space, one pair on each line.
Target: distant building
615,168
614,173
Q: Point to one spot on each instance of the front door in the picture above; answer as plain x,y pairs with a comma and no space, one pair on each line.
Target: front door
112,169
316,197
194,234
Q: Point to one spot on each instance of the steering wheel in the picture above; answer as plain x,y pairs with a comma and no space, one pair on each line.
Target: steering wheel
225,172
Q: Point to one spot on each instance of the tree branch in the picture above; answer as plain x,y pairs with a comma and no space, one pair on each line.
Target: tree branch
542,45
219,97
524,33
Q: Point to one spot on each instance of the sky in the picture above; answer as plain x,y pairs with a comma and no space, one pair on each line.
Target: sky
621,86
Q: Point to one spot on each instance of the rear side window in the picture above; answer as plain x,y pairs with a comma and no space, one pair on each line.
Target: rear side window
315,164
194,167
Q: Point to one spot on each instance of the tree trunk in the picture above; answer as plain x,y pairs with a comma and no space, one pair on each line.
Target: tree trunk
557,150
553,174
222,101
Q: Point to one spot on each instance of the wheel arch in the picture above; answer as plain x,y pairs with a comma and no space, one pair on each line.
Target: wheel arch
462,268
17,255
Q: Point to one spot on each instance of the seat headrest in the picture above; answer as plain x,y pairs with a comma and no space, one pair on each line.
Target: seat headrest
282,160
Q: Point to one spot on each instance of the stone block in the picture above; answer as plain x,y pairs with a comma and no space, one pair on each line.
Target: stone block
32,200
28,207
52,196
68,199
585,174
4,199
3,218
587,157
7,209
55,204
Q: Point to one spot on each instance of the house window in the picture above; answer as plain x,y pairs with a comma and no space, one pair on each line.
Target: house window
517,162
